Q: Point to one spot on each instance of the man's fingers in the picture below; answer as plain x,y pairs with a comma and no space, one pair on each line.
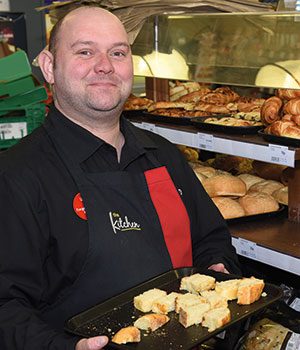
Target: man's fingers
95,343
218,267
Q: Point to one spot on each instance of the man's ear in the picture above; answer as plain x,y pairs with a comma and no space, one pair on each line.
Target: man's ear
46,61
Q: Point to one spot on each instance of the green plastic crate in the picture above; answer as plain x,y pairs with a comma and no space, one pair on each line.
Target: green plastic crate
15,74
17,123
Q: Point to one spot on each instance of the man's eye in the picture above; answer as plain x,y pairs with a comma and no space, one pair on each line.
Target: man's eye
85,53
118,54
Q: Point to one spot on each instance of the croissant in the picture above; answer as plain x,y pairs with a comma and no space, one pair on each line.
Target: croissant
292,131
249,104
292,107
296,119
194,96
287,117
270,110
288,94
279,127
220,96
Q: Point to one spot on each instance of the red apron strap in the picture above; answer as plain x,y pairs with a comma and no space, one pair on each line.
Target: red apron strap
172,215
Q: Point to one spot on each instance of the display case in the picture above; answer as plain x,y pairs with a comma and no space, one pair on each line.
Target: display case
256,50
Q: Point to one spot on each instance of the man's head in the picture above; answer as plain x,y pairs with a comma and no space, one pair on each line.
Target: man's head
89,63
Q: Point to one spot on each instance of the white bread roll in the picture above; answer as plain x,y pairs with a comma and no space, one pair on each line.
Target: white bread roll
258,203
228,207
250,179
224,185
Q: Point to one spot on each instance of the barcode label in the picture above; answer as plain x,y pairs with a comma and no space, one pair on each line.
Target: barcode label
247,248
294,342
205,141
278,154
9,131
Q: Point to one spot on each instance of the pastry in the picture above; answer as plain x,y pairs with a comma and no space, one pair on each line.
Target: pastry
151,322
270,110
126,335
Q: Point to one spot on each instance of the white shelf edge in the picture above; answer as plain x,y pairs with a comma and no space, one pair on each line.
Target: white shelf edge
268,256
217,144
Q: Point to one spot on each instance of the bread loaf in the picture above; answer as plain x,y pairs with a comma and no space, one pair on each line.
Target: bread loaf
151,322
228,207
266,186
281,195
224,185
258,203
216,318
250,179
144,301
268,171
126,335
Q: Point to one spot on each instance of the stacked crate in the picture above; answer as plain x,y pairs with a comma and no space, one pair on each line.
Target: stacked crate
21,99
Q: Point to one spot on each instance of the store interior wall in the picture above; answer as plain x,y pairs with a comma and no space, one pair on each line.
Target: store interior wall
35,27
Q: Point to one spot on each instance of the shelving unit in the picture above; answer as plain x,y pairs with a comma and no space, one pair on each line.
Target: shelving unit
274,241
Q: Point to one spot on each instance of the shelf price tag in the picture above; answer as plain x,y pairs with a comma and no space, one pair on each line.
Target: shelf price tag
247,248
278,154
205,141
150,127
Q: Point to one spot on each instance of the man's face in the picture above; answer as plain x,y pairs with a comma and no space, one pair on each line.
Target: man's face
93,64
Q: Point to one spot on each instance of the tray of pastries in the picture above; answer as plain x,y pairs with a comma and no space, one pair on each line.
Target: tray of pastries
235,123
176,310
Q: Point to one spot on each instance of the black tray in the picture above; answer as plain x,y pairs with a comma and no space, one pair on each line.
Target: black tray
133,113
108,317
241,130
280,140
170,120
258,217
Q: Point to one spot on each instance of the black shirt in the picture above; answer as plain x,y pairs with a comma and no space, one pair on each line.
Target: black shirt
43,243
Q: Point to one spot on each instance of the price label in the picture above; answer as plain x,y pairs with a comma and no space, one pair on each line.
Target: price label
278,154
294,342
10,131
150,127
247,248
295,304
205,141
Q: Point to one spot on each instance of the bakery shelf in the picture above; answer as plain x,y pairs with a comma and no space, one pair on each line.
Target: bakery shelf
273,242
248,146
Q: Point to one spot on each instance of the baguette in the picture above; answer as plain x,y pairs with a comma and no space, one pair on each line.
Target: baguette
127,335
151,322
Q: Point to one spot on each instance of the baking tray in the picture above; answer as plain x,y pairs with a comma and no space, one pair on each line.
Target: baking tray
133,113
166,119
108,317
241,130
257,217
281,140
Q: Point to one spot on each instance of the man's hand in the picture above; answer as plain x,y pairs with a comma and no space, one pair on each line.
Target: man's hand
219,268
95,343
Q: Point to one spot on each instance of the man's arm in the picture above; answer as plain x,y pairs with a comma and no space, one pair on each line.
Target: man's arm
23,249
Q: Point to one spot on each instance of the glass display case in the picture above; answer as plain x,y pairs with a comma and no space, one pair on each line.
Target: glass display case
249,49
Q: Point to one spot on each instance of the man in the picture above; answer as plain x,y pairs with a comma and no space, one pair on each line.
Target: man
91,205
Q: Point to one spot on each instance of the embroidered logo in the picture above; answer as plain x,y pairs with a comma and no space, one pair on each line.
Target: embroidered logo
122,225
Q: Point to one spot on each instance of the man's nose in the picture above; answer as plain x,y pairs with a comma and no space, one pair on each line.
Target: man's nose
103,64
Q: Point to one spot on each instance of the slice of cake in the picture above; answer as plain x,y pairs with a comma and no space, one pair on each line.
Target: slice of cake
228,289
188,299
216,318
144,301
190,315
197,283
165,304
215,299
249,290
125,335
151,322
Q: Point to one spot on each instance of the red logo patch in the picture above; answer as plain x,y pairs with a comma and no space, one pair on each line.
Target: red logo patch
78,207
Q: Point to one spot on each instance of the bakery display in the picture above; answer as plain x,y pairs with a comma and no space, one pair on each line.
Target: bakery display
126,335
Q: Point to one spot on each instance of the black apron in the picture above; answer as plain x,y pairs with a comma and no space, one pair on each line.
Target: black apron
130,241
